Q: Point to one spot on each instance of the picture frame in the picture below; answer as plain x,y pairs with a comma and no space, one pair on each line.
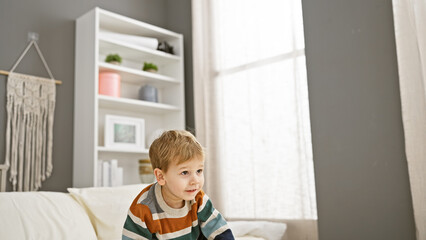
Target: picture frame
124,133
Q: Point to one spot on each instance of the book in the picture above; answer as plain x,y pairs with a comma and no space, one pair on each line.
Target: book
120,176
99,173
105,174
113,173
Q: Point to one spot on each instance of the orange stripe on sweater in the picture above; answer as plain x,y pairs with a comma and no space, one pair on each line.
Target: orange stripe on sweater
166,225
199,198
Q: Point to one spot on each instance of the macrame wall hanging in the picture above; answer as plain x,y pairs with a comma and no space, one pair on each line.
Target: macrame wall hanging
29,132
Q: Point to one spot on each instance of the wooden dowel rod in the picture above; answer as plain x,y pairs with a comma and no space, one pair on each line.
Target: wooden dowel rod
3,72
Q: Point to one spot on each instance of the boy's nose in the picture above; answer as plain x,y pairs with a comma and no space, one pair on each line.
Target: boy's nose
194,180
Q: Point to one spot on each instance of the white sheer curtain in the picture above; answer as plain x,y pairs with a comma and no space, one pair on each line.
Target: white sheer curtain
410,33
251,107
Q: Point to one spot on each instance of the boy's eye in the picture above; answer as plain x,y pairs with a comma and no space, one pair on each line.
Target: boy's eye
199,171
184,173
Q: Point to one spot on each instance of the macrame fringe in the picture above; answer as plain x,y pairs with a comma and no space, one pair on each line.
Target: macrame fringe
29,137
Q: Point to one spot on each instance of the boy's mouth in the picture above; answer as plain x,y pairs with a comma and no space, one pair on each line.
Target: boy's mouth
191,191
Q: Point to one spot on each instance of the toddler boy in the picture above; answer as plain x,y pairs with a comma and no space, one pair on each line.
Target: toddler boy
175,207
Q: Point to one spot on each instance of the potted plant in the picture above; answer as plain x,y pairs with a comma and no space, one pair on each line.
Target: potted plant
150,67
113,59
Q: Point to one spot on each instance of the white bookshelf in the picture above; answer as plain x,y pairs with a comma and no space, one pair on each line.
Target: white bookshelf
90,107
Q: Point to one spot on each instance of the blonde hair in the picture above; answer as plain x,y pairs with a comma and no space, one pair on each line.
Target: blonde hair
174,145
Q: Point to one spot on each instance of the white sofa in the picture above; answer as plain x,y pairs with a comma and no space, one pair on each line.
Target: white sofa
90,213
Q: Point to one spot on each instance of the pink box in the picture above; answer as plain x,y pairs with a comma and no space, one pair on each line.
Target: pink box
109,84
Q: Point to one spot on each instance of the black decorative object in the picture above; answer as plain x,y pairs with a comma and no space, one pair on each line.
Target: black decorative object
165,47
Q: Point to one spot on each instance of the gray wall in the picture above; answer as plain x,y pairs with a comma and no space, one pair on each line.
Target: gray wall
54,20
358,141
180,20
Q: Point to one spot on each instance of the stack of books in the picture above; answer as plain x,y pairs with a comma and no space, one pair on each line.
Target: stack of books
109,174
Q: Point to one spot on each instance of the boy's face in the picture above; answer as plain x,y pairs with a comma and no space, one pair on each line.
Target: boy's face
181,182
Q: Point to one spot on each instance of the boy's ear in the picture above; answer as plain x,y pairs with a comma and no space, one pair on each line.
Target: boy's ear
159,176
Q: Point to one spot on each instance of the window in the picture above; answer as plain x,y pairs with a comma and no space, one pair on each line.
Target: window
258,87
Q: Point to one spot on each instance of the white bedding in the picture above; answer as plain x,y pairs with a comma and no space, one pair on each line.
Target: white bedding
43,215
249,238
100,215
258,230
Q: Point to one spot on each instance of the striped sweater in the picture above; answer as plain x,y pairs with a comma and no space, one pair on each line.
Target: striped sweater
149,217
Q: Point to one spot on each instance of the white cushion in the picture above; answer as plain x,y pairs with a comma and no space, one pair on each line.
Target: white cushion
260,229
249,238
43,215
107,207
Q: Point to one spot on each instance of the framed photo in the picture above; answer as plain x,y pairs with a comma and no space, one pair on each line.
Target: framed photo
124,132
